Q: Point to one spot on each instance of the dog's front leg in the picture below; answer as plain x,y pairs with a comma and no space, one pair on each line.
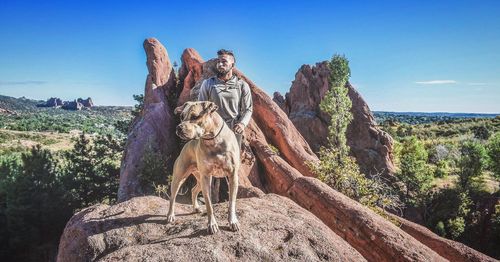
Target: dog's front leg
233,192
206,181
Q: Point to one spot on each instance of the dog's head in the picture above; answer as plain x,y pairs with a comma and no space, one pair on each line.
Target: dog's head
195,119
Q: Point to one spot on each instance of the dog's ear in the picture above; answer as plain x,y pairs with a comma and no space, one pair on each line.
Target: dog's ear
179,109
210,107
213,107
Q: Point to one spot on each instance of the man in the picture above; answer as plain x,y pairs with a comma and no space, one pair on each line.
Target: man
231,94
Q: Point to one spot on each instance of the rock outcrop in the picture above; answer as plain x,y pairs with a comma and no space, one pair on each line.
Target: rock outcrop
272,228
52,102
153,132
371,146
72,105
77,104
87,103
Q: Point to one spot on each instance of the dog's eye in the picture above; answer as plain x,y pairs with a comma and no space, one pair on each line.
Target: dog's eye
195,117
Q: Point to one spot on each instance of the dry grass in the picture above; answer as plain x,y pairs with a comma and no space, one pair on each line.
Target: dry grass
15,141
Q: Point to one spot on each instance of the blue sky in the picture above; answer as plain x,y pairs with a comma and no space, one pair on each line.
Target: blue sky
404,55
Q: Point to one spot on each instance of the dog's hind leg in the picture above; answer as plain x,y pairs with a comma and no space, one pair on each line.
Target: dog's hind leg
206,182
178,180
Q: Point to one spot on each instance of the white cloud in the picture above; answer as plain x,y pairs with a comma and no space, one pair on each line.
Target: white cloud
436,82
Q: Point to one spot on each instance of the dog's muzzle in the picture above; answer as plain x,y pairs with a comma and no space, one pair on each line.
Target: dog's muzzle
180,133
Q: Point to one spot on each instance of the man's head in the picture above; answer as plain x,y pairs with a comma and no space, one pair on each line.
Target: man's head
225,61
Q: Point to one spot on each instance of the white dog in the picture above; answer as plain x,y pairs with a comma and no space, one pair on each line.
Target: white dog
212,150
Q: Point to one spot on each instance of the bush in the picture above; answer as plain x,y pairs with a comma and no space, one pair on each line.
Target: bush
440,230
472,162
455,226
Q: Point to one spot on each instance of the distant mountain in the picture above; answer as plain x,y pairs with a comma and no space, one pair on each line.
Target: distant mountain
438,114
425,117
18,104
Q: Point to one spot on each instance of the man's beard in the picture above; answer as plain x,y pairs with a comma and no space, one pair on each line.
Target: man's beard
221,72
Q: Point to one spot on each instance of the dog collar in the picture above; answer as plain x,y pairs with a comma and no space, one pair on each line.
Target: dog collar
218,133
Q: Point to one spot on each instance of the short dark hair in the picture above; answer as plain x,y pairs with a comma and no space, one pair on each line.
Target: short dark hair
226,52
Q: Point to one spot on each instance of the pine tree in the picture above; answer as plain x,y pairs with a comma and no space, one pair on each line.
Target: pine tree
414,172
92,170
336,167
36,209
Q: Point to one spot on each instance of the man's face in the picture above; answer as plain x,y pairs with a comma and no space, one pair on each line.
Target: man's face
224,64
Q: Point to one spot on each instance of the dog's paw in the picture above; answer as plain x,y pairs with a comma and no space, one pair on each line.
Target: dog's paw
214,228
197,209
235,226
170,218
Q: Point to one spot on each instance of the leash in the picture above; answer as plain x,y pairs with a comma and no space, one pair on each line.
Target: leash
218,133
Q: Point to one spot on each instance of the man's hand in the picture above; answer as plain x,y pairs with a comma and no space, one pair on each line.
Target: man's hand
238,128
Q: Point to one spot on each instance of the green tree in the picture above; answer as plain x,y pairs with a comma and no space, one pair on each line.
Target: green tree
139,106
481,132
92,170
414,172
336,167
494,154
337,105
36,209
472,162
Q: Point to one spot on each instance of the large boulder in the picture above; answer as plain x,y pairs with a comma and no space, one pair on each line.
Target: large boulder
371,146
272,228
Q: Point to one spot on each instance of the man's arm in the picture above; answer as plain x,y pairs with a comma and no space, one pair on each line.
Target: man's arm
246,104
204,95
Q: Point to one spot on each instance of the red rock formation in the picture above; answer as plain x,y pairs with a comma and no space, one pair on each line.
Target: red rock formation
154,130
87,103
451,250
190,72
371,147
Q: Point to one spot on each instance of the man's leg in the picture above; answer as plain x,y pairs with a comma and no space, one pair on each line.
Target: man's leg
239,138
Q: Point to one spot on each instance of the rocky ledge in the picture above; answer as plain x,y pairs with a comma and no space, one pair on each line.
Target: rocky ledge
272,228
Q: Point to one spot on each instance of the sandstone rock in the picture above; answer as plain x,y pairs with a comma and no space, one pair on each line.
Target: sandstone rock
153,132
161,80
190,72
371,147
87,103
72,105
451,250
281,102
273,228
279,130
52,102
